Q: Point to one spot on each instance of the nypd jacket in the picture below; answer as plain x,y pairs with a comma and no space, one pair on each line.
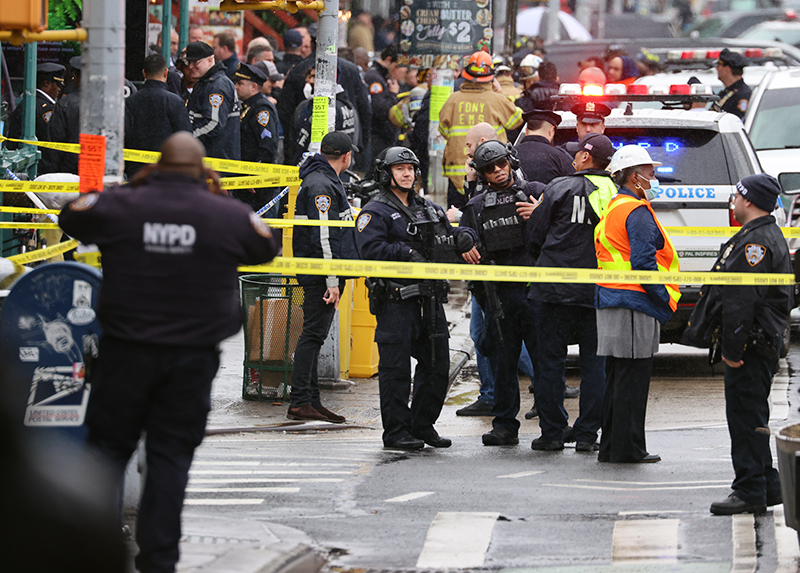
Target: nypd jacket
214,111
153,114
170,255
383,132
321,197
260,130
734,99
382,230
44,109
540,161
759,247
561,232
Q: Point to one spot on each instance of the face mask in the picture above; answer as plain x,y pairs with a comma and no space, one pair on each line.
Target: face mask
308,91
653,192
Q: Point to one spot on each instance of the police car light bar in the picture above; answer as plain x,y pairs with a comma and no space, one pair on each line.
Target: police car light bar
707,56
675,93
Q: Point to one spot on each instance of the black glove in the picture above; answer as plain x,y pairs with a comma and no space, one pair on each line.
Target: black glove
464,242
416,257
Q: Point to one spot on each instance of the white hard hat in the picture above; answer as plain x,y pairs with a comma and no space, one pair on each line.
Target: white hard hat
630,156
529,66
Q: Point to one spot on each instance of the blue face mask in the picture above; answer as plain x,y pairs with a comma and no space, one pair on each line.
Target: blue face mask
653,192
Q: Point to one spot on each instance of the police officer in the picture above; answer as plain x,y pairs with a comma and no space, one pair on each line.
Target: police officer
508,314
754,319
321,197
259,129
736,95
399,225
212,105
49,83
65,126
561,231
382,83
170,295
590,117
153,113
538,159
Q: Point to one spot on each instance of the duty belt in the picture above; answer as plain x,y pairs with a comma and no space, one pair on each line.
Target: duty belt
398,292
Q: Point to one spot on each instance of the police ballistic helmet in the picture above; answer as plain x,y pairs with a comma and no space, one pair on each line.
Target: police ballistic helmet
395,156
490,152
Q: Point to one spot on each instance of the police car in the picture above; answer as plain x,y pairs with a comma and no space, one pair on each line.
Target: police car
703,155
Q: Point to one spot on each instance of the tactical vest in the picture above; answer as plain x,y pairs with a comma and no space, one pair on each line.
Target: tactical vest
427,229
501,228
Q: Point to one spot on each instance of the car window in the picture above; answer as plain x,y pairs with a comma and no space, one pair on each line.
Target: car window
690,156
784,34
776,124
738,160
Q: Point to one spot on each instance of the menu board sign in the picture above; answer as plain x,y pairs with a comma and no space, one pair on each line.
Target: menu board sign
439,33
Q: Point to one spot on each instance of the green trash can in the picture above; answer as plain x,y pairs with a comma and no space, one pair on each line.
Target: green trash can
273,321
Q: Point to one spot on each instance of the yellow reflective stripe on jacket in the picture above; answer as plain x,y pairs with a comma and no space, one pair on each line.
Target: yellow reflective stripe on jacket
601,197
514,119
454,170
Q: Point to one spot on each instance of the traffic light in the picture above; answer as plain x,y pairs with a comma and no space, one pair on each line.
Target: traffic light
26,15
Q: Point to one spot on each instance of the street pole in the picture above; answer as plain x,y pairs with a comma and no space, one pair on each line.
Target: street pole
166,31
29,117
103,79
324,121
183,33
553,31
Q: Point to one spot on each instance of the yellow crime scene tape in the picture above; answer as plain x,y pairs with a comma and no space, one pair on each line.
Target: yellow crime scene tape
7,186
45,253
273,175
386,269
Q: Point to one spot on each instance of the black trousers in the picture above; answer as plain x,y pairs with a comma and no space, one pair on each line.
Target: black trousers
624,409
517,326
401,334
747,409
317,320
165,392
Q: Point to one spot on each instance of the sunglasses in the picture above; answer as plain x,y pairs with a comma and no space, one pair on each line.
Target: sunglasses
494,166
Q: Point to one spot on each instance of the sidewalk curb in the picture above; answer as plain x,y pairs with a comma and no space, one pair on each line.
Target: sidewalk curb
265,559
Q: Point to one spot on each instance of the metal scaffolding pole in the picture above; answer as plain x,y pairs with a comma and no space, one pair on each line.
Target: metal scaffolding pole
183,23
166,31
103,79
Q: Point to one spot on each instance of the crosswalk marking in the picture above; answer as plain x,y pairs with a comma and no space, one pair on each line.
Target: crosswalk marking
744,543
662,488
242,489
457,540
247,501
520,475
264,465
266,480
695,482
408,497
786,542
645,541
265,472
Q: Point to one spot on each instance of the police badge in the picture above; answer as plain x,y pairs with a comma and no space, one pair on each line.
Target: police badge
46,116
323,203
263,118
754,254
363,221
216,100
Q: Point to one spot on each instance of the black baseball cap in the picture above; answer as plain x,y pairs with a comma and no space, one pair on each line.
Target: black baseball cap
50,71
733,59
249,72
76,63
292,39
337,143
198,51
542,114
597,144
590,112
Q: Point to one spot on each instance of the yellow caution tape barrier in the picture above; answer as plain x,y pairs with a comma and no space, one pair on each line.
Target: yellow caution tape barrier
385,269
7,186
22,225
32,210
18,270
45,253
275,175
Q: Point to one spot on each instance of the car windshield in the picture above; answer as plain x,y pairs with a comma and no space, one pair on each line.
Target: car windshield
777,123
784,34
689,156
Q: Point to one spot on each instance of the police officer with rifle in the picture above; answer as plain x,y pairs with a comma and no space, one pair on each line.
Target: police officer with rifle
399,225
497,216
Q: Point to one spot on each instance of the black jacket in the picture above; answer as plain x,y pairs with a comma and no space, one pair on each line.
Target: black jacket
540,161
384,133
65,127
347,76
260,130
346,122
44,109
322,197
170,256
734,99
759,247
560,233
418,138
214,111
153,114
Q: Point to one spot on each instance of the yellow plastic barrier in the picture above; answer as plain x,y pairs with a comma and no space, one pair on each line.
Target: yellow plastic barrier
364,356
